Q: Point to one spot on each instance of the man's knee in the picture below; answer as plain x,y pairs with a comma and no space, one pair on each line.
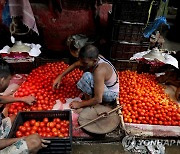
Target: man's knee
87,75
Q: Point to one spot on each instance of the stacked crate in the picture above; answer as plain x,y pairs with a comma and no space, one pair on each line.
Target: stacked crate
129,18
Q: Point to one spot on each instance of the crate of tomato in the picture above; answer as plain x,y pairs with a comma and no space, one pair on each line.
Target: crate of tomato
55,126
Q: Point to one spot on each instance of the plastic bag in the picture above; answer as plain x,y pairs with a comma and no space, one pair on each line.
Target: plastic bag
151,28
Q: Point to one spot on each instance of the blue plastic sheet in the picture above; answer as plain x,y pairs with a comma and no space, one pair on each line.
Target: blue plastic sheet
154,26
6,18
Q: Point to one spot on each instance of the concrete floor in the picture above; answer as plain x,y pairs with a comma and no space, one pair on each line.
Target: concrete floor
112,148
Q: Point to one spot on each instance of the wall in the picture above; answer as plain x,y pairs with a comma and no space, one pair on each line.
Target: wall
55,26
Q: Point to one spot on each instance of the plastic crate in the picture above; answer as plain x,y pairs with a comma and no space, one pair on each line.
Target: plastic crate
125,50
127,31
57,145
134,10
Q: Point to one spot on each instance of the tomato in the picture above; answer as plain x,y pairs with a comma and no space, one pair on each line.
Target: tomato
32,131
28,128
45,120
22,129
26,124
19,134
37,123
27,133
42,124
66,134
61,135
35,128
51,124
55,134
57,120
63,130
58,126
39,129
48,129
32,122
54,129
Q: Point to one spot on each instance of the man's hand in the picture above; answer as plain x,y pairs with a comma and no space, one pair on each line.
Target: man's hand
35,143
75,105
57,82
44,143
29,99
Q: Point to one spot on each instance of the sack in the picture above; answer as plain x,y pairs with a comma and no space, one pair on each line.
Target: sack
78,41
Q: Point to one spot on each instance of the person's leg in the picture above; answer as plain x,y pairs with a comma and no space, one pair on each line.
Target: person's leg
86,85
5,127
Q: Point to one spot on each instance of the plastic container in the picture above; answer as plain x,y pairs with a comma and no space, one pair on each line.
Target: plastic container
57,145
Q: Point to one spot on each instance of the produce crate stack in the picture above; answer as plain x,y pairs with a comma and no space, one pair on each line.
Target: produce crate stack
129,18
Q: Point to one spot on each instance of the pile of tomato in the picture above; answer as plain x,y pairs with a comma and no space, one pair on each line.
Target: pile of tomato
39,84
45,128
145,102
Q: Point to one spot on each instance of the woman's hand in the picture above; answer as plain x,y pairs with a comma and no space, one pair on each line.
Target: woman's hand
29,99
57,82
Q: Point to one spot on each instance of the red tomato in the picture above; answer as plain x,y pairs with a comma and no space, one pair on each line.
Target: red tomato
42,124
32,122
63,130
26,124
19,134
22,129
58,126
51,124
66,134
45,120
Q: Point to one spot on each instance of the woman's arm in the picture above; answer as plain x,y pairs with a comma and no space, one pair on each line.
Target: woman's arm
9,99
7,142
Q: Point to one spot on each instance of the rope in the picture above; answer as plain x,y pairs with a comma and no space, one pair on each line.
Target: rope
149,13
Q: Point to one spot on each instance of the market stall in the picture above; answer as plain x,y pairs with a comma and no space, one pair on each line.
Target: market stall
145,104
